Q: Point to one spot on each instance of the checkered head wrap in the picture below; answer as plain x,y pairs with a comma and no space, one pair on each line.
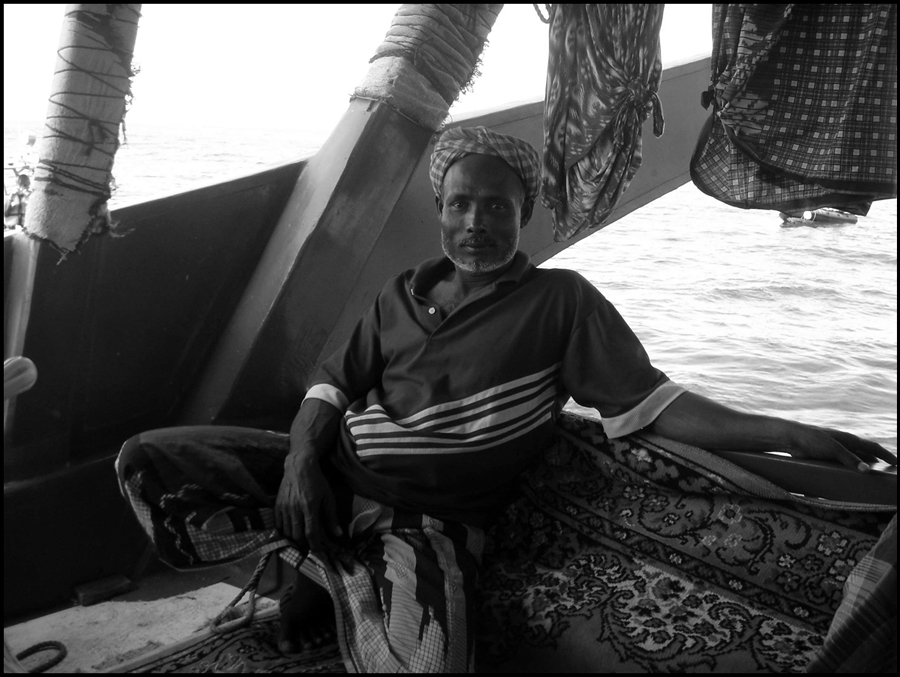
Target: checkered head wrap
458,142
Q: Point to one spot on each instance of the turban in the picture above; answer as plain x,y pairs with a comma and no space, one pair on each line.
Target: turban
458,142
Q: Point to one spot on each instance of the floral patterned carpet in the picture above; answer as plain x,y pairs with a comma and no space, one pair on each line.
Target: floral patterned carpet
631,555
635,555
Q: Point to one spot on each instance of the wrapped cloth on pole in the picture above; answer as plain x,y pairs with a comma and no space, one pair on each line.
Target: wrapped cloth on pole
88,99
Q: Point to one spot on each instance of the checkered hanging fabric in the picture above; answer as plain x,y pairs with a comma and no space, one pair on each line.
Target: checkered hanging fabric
804,107
602,78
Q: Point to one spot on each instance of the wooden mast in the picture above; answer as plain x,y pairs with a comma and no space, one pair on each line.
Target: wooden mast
339,207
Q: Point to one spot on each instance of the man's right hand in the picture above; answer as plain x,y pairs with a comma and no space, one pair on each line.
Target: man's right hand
305,509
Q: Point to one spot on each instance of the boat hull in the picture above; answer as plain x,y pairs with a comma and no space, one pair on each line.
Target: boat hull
818,218
163,326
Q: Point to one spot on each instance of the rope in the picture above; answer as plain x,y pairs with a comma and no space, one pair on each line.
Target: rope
58,175
98,28
443,43
230,618
44,646
541,16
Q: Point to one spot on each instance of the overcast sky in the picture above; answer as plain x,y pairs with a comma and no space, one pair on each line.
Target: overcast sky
283,65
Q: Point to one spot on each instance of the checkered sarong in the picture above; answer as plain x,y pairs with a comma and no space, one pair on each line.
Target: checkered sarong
402,586
805,107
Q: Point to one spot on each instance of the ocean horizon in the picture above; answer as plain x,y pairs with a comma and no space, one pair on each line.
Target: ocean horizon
799,323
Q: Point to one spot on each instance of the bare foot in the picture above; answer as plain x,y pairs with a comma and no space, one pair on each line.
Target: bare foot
307,617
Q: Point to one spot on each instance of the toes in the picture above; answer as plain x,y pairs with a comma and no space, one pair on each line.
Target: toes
306,641
287,646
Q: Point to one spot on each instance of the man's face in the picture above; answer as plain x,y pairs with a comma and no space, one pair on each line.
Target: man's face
481,210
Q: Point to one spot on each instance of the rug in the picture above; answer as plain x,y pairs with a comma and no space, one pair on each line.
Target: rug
643,555
630,555
250,649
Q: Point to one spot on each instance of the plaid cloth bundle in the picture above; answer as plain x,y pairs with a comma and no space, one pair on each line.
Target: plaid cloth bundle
805,107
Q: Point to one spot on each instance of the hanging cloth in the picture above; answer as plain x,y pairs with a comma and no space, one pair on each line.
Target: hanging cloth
804,107
602,78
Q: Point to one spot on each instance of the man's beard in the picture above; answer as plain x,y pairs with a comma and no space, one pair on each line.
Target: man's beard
505,252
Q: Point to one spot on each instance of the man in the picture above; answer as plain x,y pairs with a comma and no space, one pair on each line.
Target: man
413,433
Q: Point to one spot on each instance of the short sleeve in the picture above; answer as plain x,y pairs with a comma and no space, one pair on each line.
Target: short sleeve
606,367
355,367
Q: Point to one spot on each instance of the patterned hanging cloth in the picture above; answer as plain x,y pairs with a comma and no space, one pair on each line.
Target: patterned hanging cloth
804,107
602,78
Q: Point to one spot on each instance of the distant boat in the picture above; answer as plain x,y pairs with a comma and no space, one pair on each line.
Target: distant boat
826,216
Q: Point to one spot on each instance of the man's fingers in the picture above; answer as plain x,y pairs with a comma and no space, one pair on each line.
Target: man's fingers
306,512
297,533
291,526
866,449
331,520
314,533
844,456
827,447
853,461
323,529
878,453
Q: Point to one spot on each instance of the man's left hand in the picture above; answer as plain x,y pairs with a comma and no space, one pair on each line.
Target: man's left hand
826,444
702,422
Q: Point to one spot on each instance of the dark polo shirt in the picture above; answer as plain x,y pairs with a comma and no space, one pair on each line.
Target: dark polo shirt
442,413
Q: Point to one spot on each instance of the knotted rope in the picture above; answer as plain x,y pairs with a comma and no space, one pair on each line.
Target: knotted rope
443,42
230,618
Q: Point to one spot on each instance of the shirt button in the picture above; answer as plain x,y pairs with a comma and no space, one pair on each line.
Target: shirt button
431,311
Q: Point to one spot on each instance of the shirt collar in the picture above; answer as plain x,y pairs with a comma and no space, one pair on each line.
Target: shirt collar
426,274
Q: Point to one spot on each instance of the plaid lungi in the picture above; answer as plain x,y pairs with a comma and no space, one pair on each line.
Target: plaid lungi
805,107
402,586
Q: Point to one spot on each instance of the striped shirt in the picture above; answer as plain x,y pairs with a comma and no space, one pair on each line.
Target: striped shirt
442,412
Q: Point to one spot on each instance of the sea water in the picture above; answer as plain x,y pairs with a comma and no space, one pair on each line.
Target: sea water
793,322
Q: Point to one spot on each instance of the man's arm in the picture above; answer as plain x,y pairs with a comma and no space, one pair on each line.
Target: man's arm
305,509
698,421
